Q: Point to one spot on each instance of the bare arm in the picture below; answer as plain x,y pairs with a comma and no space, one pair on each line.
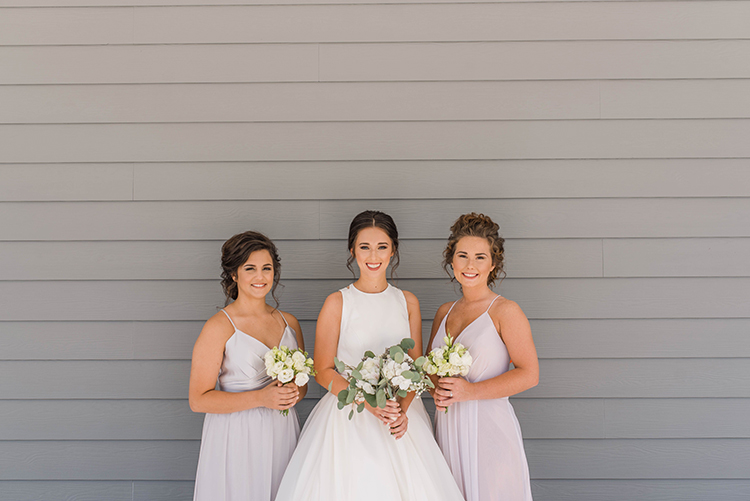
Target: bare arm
294,324
208,354
516,333
439,316
327,342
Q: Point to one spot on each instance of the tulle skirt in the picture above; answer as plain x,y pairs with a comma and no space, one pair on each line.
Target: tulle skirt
341,460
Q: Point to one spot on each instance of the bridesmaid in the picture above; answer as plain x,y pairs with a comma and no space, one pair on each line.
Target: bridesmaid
246,441
479,434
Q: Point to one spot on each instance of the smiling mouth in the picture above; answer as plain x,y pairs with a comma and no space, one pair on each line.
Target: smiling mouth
470,275
258,286
373,266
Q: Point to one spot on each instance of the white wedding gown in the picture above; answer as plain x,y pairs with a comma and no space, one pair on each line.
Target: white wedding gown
341,460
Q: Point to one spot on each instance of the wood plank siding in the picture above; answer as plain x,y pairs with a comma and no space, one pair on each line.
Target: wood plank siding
608,138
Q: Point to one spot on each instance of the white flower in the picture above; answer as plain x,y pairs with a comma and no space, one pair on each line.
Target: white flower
366,387
401,382
454,359
298,356
289,362
466,359
454,371
278,367
286,375
464,370
437,353
301,379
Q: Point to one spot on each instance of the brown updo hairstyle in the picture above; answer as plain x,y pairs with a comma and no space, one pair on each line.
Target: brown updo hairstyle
373,219
476,225
236,251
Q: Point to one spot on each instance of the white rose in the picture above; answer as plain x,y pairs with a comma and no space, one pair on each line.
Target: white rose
401,382
454,371
298,356
437,353
301,379
299,366
366,387
464,370
269,362
278,367
429,368
286,375
466,359
289,362
454,359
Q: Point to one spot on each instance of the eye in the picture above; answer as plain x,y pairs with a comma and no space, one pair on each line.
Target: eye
267,268
383,247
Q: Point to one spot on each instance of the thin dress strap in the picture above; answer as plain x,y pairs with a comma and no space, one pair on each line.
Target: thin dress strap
230,318
491,303
283,318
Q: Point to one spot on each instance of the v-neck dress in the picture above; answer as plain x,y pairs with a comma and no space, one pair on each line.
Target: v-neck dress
244,454
481,439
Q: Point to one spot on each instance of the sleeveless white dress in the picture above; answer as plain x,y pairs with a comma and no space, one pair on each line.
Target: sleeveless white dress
481,439
244,454
341,460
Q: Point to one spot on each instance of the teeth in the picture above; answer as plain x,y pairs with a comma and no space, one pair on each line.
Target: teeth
373,266
258,285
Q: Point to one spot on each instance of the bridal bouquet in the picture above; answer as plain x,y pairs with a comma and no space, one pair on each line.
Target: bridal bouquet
286,365
453,359
377,379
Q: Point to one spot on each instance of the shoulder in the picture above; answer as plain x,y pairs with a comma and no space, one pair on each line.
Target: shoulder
504,309
334,299
443,311
217,329
291,320
411,299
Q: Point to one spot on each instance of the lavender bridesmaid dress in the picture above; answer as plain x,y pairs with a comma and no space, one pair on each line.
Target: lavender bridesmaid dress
481,439
244,454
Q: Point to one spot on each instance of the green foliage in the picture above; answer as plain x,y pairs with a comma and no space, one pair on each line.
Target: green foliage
418,363
407,344
369,354
339,365
402,393
351,414
361,407
380,397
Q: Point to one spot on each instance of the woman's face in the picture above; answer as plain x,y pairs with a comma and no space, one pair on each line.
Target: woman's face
472,261
373,251
255,277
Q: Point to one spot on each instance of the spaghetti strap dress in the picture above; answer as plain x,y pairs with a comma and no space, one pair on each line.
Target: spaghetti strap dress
244,454
481,439
342,460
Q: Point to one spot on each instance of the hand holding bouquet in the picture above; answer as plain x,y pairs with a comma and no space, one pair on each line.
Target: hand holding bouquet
377,379
450,360
288,365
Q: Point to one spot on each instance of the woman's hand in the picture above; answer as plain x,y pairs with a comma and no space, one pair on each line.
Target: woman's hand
399,426
388,415
280,396
450,390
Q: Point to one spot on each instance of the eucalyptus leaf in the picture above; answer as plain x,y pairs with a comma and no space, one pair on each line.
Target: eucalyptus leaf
399,357
356,374
361,407
330,386
350,397
339,365
341,405
359,366
370,399
369,354
418,363
380,398
407,344
402,393
409,375
351,414
343,395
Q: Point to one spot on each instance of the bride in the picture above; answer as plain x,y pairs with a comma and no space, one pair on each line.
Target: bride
381,454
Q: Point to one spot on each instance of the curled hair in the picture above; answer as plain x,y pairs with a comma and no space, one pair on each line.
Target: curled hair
236,251
477,225
373,219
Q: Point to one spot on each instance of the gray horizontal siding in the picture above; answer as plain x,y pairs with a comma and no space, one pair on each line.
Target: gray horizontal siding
540,298
365,23
662,178
644,490
569,378
377,140
320,101
574,60
548,418
302,220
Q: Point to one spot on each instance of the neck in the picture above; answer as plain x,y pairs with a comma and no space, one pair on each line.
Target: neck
376,284
478,293
250,305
